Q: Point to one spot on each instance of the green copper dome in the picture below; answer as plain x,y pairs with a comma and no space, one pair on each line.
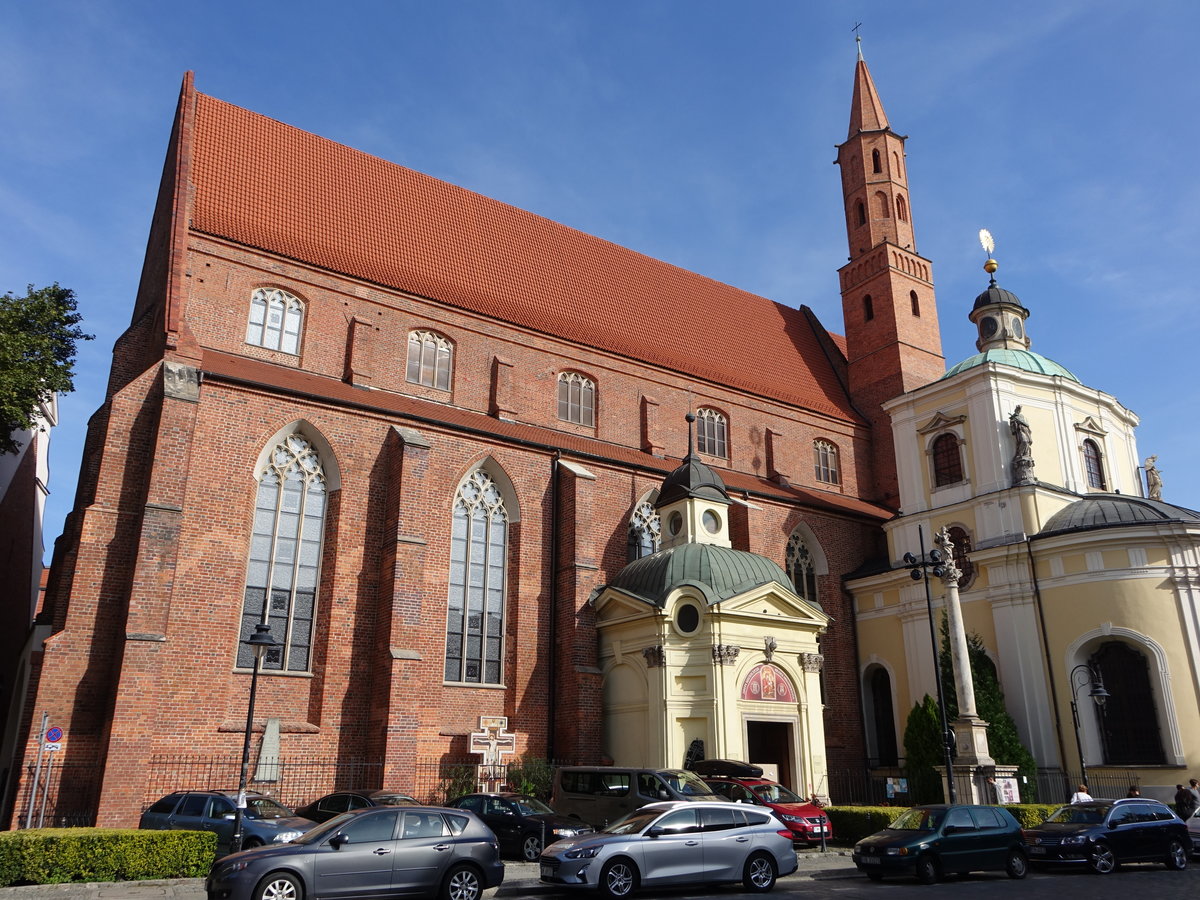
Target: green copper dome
717,572
1025,360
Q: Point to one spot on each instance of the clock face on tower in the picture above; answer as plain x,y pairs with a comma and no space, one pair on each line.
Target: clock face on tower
988,326
1017,330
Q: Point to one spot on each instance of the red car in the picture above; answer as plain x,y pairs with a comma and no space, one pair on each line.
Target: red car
806,820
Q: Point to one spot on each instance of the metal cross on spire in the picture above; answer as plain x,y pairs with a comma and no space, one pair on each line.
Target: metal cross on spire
858,39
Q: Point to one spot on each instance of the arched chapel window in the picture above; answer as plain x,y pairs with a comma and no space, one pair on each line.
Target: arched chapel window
711,433
285,555
644,531
947,460
430,359
825,462
801,568
876,163
916,303
276,318
901,208
576,399
1128,720
1093,463
478,573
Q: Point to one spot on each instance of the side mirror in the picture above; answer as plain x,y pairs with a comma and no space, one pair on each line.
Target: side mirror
338,840
663,795
229,816
654,831
956,829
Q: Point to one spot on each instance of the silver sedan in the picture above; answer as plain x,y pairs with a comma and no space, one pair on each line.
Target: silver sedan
677,842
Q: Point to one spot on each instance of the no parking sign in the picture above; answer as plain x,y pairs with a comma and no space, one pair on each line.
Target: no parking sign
53,736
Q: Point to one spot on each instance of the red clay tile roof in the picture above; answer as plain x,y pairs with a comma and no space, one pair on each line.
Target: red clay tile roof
268,185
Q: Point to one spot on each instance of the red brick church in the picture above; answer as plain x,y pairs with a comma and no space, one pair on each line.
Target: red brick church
413,430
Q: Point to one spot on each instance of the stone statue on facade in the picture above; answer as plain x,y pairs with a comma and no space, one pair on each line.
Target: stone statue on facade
1154,483
1022,461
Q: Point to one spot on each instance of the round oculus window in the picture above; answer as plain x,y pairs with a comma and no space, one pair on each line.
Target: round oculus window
676,523
687,618
1017,330
988,326
712,522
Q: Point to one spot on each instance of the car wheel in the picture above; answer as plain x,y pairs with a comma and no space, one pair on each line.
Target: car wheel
927,869
462,883
759,875
251,842
1103,860
618,878
1016,865
1177,855
279,886
531,847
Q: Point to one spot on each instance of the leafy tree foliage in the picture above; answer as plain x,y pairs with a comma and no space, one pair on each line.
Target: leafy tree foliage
922,751
38,333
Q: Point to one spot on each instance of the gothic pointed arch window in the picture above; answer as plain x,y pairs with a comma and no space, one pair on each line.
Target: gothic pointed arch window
430,360
285,555
478,576
1129,723
645,531
915,301
712,433
825,462
1093,464
276,320
576,399
947,460
801,568
901,208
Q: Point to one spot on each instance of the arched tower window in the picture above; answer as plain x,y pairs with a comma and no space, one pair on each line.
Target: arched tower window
868,308
1093,463
881,718
430,359
862,213
901,208
916,303
947,460
801,568
876,162
576,399
885,206
711,433
285,555
478,575
825,462
1129,718
276,318
645,531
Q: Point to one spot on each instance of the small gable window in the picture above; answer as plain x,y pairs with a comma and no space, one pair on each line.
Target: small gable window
711,433
947,460
825,462
1093,463
276,318
576,399
430,359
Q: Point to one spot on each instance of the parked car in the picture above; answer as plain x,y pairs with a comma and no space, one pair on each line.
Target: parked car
325,808
263,822
675,842
930,841
523,824
807,821
384,851
1193,827
602,794
1103,834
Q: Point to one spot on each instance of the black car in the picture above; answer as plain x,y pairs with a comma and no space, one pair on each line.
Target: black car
1102,834
930,841
523,824
263,822
325,808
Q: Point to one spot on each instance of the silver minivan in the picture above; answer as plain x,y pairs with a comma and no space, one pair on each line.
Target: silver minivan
602,794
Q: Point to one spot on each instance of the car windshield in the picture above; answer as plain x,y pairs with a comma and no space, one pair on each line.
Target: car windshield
919,820
314,834
632,823
393,800
686,783
1076,815
531,806
266,808
775,793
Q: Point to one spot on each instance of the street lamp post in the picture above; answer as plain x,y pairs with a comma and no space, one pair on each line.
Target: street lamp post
1099,695
919,568
259,642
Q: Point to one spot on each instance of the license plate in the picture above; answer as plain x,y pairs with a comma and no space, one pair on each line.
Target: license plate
1037,851
869,860
547,871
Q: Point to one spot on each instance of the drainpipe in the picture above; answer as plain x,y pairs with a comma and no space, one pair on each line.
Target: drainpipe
552,631
1037,598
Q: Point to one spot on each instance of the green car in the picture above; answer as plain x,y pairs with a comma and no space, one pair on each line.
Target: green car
931,841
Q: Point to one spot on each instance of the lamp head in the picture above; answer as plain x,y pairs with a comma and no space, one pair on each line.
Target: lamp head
1098,694
261,641
909,559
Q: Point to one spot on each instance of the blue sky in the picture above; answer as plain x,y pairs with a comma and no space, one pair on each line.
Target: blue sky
700,133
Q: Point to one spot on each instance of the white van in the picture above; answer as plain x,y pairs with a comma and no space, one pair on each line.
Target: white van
599,795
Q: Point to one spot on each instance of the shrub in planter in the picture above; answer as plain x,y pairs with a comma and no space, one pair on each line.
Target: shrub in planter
61,855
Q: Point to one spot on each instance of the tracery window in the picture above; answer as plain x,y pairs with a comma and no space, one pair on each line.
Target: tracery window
645,531
576,399
1093,463
285,555
478,571
801,568
430,359
825,462
276,318
711,433
947,460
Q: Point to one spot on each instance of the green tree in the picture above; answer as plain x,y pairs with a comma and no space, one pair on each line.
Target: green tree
1004,744
922,751
38,333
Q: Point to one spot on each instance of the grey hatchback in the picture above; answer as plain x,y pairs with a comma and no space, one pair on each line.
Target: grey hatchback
264,822
385,851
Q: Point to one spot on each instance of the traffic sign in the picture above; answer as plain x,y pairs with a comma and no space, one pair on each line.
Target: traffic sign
54,735
51,747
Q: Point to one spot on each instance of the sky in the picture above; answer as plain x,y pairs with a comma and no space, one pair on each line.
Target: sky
700,133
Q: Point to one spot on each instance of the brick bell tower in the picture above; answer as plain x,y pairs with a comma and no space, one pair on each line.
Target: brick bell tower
892,339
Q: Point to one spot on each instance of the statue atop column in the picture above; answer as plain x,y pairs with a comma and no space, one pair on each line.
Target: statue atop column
1022,461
